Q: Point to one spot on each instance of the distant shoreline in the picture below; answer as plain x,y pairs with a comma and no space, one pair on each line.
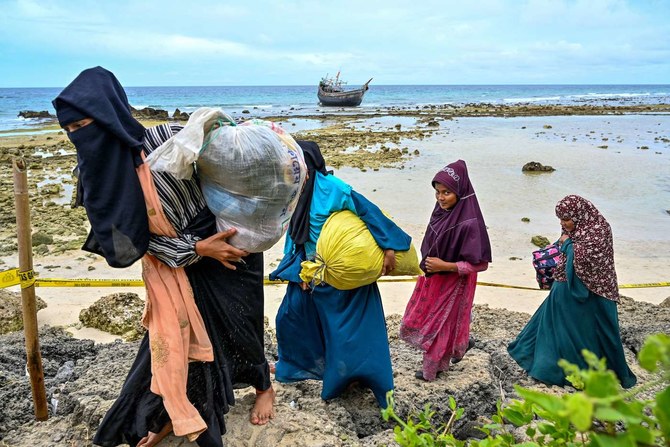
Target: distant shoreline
447,111
151,116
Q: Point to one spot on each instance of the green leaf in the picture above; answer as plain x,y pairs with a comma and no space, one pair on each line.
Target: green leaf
549,402
530,431
602,384
649,355
634,412
572,373
608,414
546,429
662,412
554,417
452,403
580,410
485,429
515,417
398,433
593,361
642,435
656,349
390,402
621,440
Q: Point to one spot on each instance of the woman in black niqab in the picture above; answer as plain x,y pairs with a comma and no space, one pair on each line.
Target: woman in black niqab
108,151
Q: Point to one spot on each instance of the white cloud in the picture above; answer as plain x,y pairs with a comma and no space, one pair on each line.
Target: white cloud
264,39
153,46
426,41
34,9
60,13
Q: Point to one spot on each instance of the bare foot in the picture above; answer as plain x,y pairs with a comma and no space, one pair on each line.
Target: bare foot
273,367
153,439
263,409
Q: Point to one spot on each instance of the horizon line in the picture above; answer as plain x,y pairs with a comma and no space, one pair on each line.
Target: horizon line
353,85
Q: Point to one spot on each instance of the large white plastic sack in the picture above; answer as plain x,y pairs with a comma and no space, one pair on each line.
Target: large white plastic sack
178,154
251,176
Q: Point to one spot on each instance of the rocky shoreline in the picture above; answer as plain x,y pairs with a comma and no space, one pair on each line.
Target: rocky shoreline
448,110
83,379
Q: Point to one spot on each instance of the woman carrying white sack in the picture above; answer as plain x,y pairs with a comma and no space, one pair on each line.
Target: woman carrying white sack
251,176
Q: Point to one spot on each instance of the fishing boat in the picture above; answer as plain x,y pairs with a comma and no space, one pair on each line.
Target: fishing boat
333,93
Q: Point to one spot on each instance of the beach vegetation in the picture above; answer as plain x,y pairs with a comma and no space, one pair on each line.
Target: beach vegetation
598,414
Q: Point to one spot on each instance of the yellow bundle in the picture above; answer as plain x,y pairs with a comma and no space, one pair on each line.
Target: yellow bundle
348,256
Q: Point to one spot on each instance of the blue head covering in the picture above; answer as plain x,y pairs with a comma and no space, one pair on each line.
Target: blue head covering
108,151
299,226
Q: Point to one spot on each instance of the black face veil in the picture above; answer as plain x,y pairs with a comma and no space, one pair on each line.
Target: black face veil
299,227
108,151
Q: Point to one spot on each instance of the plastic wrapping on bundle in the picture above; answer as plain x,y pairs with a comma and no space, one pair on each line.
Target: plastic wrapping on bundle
347,256
251,176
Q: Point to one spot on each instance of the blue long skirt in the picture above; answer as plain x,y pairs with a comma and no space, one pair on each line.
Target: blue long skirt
561,327
338,336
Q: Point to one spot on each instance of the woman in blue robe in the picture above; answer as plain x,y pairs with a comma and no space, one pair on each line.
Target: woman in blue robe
581,309
337,336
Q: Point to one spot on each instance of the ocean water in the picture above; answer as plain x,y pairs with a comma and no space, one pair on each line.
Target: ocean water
302,100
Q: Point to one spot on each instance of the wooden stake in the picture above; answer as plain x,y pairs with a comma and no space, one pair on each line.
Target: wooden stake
27,276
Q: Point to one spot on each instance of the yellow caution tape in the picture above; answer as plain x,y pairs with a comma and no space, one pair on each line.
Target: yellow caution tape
27,278
490,284
90,282
9,278
644,285
13,277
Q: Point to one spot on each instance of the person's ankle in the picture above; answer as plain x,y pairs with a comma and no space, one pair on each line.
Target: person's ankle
268,389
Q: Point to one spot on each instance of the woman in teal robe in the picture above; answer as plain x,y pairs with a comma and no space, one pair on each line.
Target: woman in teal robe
337,336
581,309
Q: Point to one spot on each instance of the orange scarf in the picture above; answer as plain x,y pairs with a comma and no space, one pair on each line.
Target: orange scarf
176,330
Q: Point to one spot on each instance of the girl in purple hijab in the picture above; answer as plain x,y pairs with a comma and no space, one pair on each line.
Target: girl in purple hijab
455,247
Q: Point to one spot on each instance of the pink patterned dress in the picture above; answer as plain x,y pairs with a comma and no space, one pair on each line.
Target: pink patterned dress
437,317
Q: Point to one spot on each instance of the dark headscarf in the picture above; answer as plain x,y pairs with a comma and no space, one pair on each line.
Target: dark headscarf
299,227
593,247
457,234
108,151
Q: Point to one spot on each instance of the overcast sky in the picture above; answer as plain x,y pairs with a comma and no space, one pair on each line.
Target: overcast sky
47,43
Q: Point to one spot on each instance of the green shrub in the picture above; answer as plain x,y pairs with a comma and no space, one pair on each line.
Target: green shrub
599,414
422,433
